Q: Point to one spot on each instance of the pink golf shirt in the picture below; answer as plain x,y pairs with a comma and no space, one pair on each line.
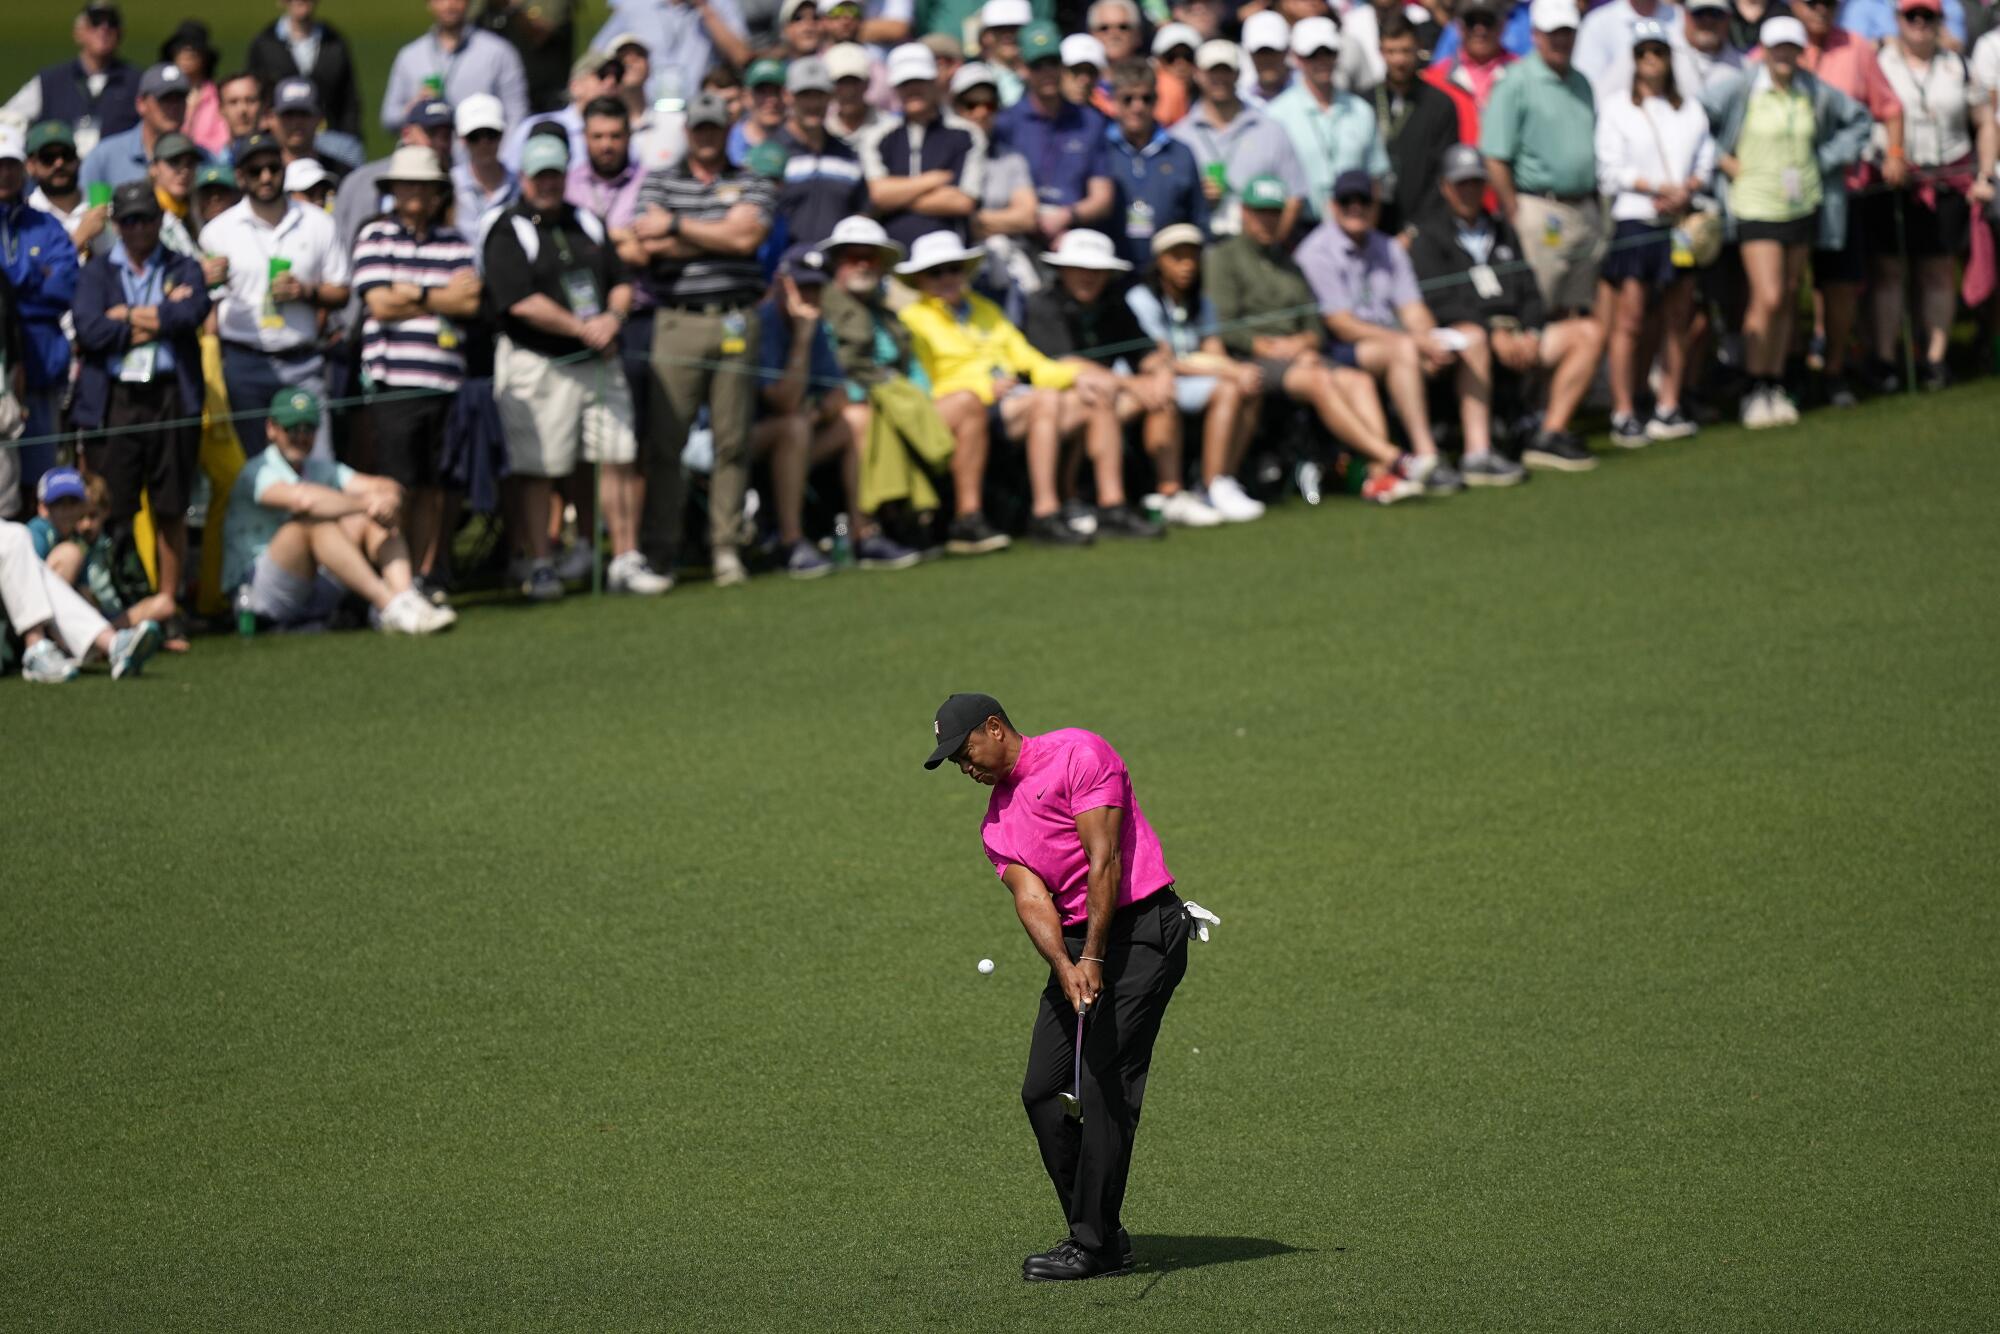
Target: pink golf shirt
1031,820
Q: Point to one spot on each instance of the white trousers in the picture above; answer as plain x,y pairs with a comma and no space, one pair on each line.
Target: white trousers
33,596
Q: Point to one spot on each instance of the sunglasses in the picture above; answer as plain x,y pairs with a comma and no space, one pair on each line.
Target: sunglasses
1354,201
1480,21
262,169
1923,18
978,103
1137,99
185,162
481,136
55,157
1112,27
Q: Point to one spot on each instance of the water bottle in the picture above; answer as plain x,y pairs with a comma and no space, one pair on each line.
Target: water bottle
843,545
246,619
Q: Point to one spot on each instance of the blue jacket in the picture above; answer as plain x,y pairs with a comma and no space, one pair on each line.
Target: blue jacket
36,255
1153,187
100,339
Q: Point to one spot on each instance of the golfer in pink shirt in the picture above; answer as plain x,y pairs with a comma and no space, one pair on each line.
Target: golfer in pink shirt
1091,886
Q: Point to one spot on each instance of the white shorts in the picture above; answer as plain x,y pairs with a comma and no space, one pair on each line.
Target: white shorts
283,598
549,408
1192,392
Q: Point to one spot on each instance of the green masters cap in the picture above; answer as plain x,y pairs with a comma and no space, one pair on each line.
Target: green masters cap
1264,192
767,160
764,71
48,132
293,408
1040,41
214,176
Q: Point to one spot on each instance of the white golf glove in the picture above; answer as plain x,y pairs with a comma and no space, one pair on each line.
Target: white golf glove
1202,919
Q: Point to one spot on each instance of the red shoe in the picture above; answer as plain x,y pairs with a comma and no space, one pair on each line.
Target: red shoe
1386,488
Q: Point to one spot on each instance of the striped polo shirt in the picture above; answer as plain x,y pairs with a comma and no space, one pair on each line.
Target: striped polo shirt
726,279
427,352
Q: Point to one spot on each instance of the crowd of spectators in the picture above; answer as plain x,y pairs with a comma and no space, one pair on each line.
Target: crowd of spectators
807,285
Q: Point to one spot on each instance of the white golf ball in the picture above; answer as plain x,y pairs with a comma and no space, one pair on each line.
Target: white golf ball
986,965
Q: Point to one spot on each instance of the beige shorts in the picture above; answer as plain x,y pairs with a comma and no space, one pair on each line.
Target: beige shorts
1565,244
549,408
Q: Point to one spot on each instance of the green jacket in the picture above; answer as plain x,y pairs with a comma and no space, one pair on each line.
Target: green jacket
1257,292
853,323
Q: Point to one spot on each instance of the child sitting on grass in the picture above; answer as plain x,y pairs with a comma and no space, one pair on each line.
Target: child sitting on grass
69,536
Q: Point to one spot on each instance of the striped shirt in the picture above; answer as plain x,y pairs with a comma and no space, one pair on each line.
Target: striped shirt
425,352
725,279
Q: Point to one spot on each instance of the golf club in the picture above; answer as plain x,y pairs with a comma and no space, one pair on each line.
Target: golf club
1073,1100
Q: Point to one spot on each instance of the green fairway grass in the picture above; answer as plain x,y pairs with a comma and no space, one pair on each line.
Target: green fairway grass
1609,938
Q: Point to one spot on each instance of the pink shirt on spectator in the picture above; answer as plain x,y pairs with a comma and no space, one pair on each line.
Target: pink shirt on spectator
1031,820
1848,63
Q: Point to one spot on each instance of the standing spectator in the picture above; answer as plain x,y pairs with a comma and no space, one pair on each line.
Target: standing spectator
1116,24
888,23
268,314
854,113
1084,63
299,46
1846,61
555,284
450,63
1703,58
1267,40
1267,309
1418,122
700,225
595,74
296,121
1063,143
1782,136
1470,261
1156,181
1005,221
307,181
188,48
1173,311
1333,131
417,280
481,182
53,166
766,82
215,193
1952,139
798,30
175,160
240,98
139,310
362,195
1878,21
1361,40
1604,49
1513,28
682,39
543,34
1367,294
1235,143
39,263
1654,154
1480,57
163,105
1539,137
924,173
95,94
59,628
1174,48
823,180
950,55
1000,25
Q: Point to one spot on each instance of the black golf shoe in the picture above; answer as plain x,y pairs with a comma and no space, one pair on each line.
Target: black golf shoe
1067,1261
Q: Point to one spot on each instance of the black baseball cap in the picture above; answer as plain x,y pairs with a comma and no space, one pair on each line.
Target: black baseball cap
134,199
246,146
957,718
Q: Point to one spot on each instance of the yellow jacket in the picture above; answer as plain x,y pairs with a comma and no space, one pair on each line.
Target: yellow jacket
963,355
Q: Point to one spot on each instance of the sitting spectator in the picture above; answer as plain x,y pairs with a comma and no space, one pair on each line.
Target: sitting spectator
1470,262
1117,26
1084,64
766,115
53,166
595,74
923,171
450,63
798,31
1174,47
1205,17
823,180
417,280
303,532
948,50
906,440
1654,154
163,105
139,310
1006,216
70,537
1368,296
95,93
1063,143
1085,321
1154,178
1235,143
299,46
1479,57
1178,316
59,628
1333,131
480,182
40,268
556,285
1418,122
1266,308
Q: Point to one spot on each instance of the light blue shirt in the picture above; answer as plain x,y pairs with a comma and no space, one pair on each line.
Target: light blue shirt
251,524
1876,19
676,42
147,287
118,158
1329,140
483,63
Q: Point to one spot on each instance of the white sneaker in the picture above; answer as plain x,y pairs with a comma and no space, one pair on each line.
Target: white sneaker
130,649
1188,510
406,614
1757,410
629,573
440,615
1227,497
45,664
1784,412
728,568
1418,467
576,563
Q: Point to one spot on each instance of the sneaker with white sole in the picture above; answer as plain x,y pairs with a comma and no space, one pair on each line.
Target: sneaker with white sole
629,572
1388,487
576,563
806,561
726,567
1784,412
406,614
1628,432
1673,424
1186,509
442,616
130,649
45,664
1080,517
541,584
1491,469
879,551
1757,409
1227,497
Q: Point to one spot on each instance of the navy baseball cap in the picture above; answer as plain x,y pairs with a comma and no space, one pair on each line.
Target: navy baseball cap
246,146
804,265
1353,183
163,81
957,718
430,115
295,95
60,484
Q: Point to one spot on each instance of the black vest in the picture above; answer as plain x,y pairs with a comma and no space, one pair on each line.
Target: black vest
66,96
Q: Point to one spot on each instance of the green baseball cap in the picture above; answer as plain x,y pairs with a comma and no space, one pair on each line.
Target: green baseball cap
1264,192
295,407
48,132
1040,40
767,160
764,71
214,176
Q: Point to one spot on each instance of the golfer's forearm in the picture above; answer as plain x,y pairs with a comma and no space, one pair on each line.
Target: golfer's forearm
1037,912
1103,903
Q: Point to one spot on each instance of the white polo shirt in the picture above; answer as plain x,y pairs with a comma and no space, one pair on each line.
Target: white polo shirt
305,236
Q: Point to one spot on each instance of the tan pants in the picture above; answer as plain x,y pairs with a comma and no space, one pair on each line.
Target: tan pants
1565,245
690,370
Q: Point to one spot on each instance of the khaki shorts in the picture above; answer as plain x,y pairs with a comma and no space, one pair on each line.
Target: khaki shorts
549,408
1565,245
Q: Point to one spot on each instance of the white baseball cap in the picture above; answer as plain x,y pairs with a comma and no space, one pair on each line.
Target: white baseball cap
481,111
1321,34
1266,30
1173,35
1782,31
973,74
911,60
1554,15
13,142
1005,14
306,172
1085,249
850,60
623,40
1080,48
1218,52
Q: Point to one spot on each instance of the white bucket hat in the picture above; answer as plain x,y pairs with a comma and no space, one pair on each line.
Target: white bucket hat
859,231
1085,249
414,162
936,249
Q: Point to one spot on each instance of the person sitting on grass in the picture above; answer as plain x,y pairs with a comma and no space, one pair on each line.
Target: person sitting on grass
303,532
58,627
1266,308
72,513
